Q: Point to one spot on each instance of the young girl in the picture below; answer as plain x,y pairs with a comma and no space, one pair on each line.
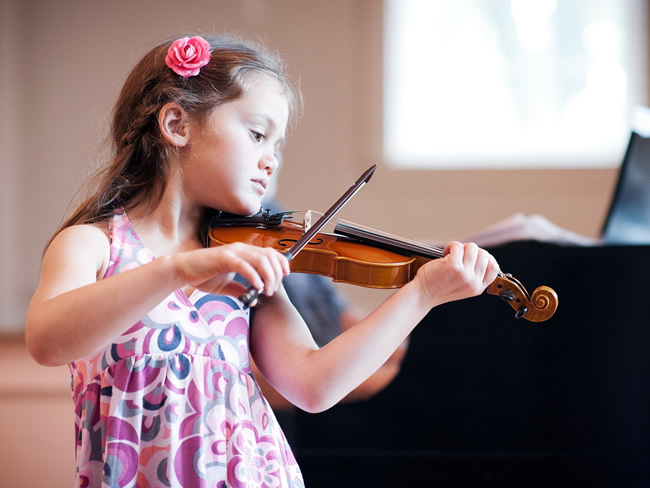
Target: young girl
148,318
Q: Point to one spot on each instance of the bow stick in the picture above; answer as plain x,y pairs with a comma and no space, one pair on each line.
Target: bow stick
253,293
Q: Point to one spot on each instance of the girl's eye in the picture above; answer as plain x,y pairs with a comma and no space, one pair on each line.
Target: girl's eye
257,136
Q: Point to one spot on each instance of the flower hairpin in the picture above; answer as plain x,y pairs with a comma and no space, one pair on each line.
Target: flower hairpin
187,56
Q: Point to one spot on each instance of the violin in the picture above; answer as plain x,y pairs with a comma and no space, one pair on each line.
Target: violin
361,256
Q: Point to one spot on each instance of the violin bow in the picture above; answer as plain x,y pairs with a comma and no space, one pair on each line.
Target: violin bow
253,293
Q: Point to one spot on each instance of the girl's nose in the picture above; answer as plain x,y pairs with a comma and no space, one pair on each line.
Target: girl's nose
270,163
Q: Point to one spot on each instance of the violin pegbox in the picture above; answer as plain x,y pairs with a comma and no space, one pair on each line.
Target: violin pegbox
538,307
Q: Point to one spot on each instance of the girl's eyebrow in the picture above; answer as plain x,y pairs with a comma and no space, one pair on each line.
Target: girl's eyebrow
267,118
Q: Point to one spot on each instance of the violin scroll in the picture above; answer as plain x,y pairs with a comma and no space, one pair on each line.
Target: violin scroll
536,308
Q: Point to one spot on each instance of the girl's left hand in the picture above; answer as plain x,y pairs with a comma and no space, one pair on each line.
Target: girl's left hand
465,271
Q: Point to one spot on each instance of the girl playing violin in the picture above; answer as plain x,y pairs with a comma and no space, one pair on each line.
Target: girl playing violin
148,318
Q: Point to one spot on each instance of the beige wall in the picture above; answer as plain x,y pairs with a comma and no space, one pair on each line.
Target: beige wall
36,422
63,63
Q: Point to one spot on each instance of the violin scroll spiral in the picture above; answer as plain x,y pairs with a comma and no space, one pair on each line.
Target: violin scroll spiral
538,307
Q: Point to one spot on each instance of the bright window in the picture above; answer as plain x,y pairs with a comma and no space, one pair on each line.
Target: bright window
511,83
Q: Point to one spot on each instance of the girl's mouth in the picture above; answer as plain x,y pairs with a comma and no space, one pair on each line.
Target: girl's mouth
262,184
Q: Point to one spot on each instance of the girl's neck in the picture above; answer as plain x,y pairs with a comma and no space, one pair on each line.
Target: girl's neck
170,226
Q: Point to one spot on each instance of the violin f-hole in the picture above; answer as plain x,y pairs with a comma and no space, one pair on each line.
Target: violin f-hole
289,242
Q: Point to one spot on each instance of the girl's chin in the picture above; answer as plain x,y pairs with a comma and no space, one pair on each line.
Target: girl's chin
250,208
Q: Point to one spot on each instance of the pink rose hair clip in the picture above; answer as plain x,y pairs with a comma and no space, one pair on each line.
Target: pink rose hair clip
187,56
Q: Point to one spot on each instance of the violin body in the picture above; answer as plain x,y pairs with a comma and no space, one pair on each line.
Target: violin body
361,256
341,258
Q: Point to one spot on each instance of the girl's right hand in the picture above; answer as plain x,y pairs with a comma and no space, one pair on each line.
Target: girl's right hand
213,270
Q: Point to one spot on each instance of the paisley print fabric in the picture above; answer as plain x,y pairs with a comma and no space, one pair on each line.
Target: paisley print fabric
172,401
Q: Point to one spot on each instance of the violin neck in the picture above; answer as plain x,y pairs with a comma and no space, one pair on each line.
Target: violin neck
387,241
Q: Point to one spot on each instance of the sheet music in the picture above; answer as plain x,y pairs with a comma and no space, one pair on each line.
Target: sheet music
521,227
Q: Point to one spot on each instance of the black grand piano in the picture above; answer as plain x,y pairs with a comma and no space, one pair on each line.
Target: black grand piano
484,399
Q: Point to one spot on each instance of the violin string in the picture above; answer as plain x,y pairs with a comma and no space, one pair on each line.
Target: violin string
388,240
393,242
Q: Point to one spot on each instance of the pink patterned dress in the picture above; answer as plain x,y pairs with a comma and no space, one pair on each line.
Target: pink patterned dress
172,401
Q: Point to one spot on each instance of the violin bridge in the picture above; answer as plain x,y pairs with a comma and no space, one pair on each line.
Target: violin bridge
306,221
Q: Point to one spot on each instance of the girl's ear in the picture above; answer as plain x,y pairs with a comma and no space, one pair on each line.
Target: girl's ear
174,124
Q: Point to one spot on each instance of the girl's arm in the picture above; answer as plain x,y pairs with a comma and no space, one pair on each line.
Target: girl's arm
315,379
74,312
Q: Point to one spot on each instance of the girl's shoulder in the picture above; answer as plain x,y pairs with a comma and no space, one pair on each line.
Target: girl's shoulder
97,233
89,243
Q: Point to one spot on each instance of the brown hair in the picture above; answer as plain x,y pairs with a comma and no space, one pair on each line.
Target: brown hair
138,167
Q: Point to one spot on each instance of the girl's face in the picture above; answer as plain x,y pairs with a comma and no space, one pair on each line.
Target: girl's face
232,156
